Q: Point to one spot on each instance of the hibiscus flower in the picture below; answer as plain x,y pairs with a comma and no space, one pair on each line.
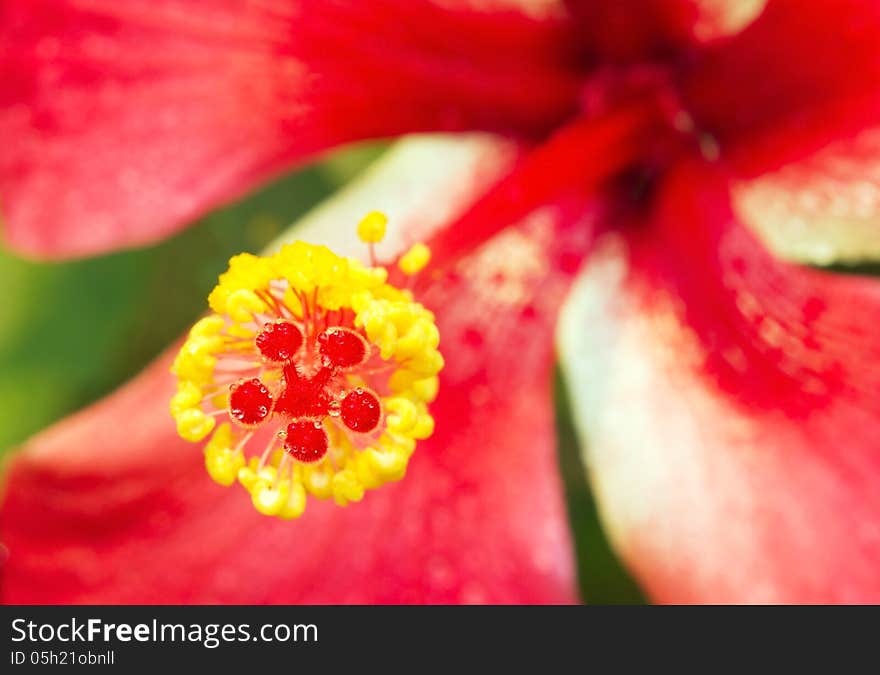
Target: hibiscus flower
691,153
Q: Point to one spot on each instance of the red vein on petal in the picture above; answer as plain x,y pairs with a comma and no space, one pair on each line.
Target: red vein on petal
580,157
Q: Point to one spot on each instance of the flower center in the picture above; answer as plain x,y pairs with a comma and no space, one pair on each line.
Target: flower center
319,364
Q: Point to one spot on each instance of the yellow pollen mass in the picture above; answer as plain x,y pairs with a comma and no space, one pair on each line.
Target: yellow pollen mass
371,229
312,376
415,259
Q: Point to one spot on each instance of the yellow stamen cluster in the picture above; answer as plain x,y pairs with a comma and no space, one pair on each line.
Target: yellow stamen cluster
311,287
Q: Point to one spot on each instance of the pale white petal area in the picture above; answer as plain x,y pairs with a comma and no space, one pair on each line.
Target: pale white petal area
706,503
822,210
422,183
538,9
720,18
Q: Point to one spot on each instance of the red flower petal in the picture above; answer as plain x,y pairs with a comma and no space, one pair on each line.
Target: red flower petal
732,404
801,75
579,158
111,506
124,119
637,30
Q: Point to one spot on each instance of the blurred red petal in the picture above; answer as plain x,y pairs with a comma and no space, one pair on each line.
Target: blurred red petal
731,405
579,158
637,30
799,76
110,506
793,101
123,120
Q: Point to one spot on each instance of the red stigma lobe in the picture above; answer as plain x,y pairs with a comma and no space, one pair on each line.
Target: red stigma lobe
306,440
342,347
249,402
361,410
279,341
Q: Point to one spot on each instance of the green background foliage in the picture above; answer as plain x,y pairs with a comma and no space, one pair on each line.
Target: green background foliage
71,332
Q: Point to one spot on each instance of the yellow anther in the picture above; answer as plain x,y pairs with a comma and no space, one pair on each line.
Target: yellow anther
223,465
415,259
243,304
426,388
401,381
402,414
364,471
239,331
222,461
421,337
193,425
424,427
221,439
296,502
367,277
188,395
270,499
390,464
246,271
346,487
428,363
371,229
195,362
316,480
377,319
207,326
249,475
398,443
